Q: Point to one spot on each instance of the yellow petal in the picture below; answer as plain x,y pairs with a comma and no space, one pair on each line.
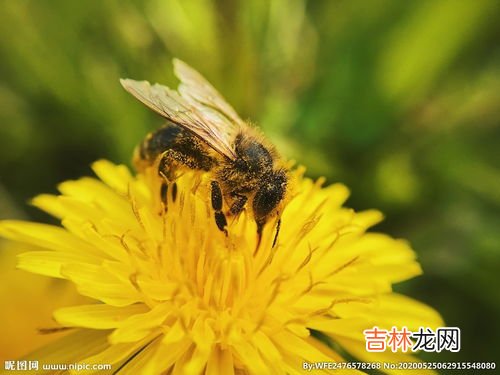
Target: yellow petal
266,347
393,273
118,354
250,358
392,310
349,328
198,360
160,290
368,218
50,204
48,263
299,347
220,362
138,326
166,356
116,176
108,246
320,345
98,316
94,191
46,236
136,363
96,282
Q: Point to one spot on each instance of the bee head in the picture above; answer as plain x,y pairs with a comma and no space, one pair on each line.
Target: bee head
269,195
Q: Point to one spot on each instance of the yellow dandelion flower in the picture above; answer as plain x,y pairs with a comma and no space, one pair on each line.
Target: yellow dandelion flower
176,295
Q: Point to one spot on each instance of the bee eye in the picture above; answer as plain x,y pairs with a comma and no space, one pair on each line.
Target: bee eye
269,195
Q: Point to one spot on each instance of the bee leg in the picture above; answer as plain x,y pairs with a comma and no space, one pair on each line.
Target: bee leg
278,227
174,191
163,192
216,195
260,226
238,204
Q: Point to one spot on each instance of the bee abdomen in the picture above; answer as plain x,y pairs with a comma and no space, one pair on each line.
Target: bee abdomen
158,141
177,148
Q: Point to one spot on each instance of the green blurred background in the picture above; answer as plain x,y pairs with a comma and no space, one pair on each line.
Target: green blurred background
399,100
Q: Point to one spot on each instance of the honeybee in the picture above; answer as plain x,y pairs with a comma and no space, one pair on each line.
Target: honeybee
203,132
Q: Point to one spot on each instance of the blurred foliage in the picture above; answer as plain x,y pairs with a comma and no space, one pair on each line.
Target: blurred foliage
400,100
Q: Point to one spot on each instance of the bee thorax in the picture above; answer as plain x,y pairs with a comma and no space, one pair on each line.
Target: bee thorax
252,155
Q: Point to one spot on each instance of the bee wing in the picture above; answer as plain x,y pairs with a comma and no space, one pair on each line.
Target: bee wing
207,123
198,91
